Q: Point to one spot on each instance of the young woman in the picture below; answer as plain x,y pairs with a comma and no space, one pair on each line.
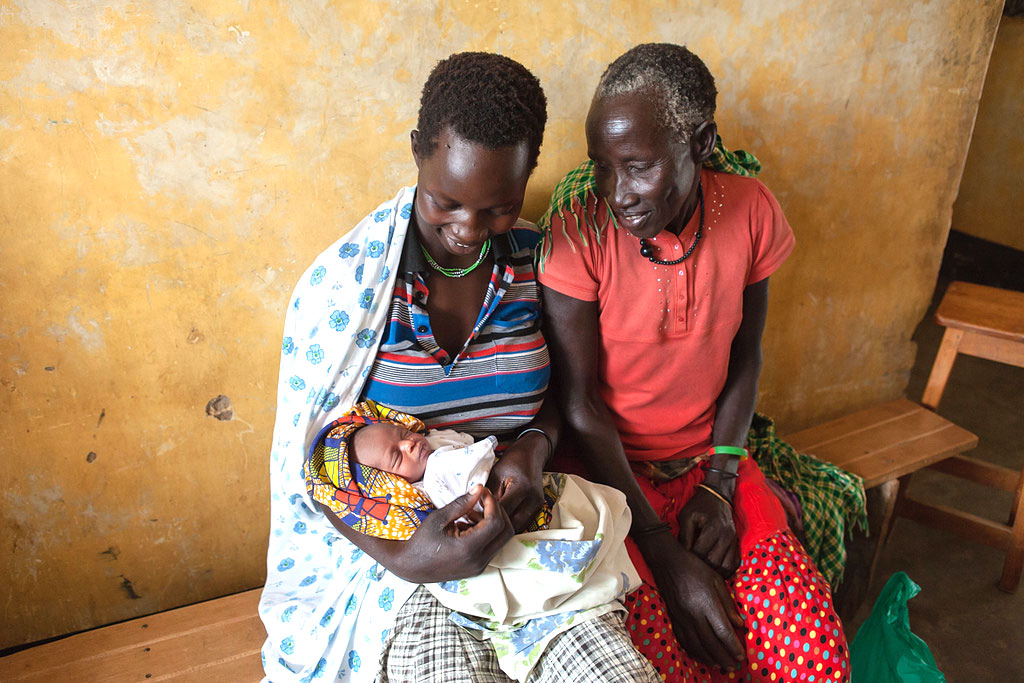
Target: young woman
429,305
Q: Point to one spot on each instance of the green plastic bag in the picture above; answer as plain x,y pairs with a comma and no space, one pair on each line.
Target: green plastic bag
885,651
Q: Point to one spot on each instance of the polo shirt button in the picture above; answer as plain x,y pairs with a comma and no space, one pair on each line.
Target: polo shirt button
422,329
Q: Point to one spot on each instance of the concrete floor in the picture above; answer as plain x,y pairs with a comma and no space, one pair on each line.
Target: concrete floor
975,631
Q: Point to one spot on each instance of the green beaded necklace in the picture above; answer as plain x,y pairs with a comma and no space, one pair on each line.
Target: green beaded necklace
457,272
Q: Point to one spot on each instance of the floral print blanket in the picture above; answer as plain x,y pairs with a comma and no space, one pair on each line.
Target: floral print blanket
542,583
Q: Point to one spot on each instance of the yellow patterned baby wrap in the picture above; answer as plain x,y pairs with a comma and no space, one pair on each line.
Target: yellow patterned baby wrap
371,501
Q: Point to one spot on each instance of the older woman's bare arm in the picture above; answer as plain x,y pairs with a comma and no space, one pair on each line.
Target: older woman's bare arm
706,522
704,615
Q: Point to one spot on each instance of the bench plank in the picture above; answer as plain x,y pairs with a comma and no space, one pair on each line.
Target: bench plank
812,438
908,457
245,667
186,643
884,442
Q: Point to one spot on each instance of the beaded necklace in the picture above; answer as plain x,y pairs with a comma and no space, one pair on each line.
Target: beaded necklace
647,251
460,272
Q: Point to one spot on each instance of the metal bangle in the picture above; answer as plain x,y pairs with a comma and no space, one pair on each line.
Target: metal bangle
551,445
715,493
724,473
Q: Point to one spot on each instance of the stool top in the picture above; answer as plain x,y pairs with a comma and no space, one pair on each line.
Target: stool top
985,310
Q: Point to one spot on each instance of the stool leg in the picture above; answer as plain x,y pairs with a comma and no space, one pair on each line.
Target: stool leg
1016,500
1014,562
941,368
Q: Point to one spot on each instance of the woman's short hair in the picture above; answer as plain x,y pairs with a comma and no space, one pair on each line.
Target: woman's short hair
677,82
485,98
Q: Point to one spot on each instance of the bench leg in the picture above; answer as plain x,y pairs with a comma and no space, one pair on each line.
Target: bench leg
1014,562
901,493
863,550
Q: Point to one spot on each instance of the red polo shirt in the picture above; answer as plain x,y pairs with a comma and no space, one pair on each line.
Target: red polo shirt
666,331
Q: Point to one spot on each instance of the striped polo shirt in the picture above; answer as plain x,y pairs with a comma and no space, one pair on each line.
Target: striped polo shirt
496,383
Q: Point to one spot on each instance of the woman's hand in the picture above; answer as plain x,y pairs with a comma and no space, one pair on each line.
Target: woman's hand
706,528
443,550
516,479
704,616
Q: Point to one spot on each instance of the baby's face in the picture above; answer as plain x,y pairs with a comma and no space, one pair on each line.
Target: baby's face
392,448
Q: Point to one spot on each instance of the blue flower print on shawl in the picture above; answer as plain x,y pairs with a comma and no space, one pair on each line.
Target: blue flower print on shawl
366,338
339,320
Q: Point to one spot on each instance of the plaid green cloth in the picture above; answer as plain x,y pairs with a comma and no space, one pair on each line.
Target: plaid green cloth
832,499
579,183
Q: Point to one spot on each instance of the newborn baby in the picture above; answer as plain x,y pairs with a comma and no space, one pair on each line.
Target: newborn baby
381,472
443,463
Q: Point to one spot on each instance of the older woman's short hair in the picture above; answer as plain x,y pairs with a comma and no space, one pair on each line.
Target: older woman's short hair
487,99
677,82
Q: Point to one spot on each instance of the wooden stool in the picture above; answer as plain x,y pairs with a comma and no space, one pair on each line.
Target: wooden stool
988,323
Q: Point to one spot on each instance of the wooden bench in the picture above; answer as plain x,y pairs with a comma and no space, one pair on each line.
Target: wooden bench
218,640
880,444
884,442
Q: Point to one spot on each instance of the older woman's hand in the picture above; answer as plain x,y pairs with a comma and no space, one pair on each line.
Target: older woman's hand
707,529
516,479
704,616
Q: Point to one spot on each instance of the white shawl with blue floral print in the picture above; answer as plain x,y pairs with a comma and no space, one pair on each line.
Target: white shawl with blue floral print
318,583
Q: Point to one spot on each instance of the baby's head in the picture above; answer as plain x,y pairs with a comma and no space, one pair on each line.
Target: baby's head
390,447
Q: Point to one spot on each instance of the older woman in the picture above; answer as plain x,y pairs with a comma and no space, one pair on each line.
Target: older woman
429,305
655,280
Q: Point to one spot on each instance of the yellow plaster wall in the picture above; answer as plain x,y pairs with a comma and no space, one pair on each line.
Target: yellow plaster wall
991,200
169,169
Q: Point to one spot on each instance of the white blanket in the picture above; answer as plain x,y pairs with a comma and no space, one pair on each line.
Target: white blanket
544,582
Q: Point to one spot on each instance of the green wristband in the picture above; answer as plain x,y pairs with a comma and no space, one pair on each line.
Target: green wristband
729,450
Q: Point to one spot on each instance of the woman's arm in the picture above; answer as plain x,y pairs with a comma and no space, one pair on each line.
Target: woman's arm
704,615
439,550
516,477
735,405
706,522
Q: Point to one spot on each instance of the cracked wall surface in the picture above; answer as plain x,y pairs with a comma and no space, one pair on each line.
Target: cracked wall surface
168,169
